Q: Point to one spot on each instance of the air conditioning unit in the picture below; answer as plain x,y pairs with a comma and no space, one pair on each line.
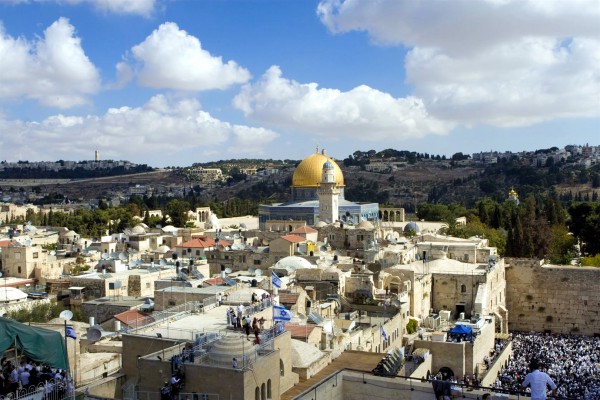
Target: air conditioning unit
461,315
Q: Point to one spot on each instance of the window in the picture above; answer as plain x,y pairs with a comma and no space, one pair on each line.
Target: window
35,254
269,393
197,252
463,288
19,269
257,393
256,262
281,368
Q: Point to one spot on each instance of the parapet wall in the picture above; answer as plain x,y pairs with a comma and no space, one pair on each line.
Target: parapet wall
559,299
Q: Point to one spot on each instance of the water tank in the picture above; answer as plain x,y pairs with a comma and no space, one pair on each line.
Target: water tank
461,316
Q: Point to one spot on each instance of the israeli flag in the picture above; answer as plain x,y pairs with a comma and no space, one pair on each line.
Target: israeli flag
280,313
383,334
276,280
70,332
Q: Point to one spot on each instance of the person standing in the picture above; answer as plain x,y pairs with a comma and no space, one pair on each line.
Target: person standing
537,382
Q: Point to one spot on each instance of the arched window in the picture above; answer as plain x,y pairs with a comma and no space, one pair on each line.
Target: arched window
19,269
269,393
263,392
281,368
463,288
257,393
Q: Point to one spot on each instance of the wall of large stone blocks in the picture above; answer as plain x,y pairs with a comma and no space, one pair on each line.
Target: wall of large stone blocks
558,299
445,354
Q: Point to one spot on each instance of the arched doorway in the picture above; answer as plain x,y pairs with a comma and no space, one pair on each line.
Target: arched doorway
446,373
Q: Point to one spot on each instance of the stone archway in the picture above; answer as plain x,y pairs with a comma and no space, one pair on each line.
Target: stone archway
446,372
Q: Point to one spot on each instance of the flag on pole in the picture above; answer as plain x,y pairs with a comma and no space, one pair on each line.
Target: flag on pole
70,332
280,313
383,334
276,280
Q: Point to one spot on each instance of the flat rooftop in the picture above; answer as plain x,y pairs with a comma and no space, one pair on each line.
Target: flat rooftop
186,327
447,266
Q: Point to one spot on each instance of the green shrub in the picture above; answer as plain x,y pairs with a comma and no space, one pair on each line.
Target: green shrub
411,326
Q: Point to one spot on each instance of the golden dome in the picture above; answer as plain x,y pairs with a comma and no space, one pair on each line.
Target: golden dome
309,172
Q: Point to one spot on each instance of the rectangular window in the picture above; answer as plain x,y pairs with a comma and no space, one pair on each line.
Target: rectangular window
256,262
197,252
35,254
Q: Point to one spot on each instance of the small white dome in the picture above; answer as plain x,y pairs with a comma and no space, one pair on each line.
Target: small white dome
138,230
169,228
163,249
293,262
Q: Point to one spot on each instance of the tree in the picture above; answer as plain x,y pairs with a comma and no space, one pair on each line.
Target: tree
177,210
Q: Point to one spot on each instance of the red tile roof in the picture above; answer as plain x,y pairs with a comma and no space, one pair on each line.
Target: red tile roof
133,318
202,242
299,331
304,229
288,298
214,281
5,243
294,238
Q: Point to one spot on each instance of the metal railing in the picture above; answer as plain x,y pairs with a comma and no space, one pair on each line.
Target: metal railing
149,395
47,390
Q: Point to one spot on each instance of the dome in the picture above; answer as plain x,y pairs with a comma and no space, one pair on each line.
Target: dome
226,348
163,249
169,228
366,225
138,230
304,354
321,224
309,172
293,262
412,226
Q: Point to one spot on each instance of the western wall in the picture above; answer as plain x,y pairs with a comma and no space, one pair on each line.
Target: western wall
558,299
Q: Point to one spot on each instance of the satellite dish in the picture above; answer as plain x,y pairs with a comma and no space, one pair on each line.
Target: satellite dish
243,225
94,333
53,253
258,272
131,264
228,270
162,262
105,256
114,255
27,242
251,270
328,262
67,315
122,256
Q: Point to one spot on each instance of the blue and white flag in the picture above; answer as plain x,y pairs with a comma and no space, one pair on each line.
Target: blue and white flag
383,334
70,332
280,313
276,280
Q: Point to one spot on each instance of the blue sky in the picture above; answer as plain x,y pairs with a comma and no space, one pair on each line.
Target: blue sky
169,82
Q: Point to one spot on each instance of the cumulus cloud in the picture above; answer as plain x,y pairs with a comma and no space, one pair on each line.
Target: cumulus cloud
157,130
362,113
144,8
53,70
501,62
171,58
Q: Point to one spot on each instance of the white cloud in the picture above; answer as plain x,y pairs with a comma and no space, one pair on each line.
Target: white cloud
53,70
501,62
144,8
155,132
171,58
362,113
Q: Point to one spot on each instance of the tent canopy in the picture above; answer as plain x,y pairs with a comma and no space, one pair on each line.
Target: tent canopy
461,329
38,344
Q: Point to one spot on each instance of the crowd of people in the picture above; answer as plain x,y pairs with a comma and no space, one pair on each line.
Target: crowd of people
571,361
27,374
